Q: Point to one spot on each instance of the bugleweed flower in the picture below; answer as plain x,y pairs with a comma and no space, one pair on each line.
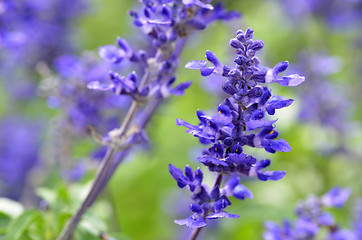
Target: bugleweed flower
166,25
83,108
32,32
313,221
332,109
16,161
241,122
346,14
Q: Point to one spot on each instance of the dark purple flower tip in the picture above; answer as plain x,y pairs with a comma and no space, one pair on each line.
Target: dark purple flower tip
224,110
198,176
210,56
242,192
143,56
177,174
241,36
196,208
215,193
198,3
228,141
240,60
207,71
237,149
229,88
239,31
249,33
166,11
201,194
111,53
202,117
196,64
147,12
256,45
277,102
222,214
225,71
336,197
262,164
280,67
194,221
189,173
271,175
123,44
234,75
235,43
133,77
255,92
222,203
280,145
138,22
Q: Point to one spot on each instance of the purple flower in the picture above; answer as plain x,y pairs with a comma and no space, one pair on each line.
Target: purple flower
336,197
312,220
290,80
241,122
16,162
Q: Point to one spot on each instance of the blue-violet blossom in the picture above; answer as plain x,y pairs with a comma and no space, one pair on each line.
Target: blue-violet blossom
240,122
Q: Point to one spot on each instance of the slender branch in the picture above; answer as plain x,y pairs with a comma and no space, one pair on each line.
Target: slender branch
108,166
101,176
195,233
73,221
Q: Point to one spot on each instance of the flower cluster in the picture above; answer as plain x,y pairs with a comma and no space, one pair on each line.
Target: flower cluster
335,13
312,220
240,122
166,24
207,204
332,109
15,161
32,32
68,91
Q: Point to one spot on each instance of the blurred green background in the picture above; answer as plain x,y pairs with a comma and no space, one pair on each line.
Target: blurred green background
142,200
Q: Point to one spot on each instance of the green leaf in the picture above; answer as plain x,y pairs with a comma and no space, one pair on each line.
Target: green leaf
19,225
4,221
